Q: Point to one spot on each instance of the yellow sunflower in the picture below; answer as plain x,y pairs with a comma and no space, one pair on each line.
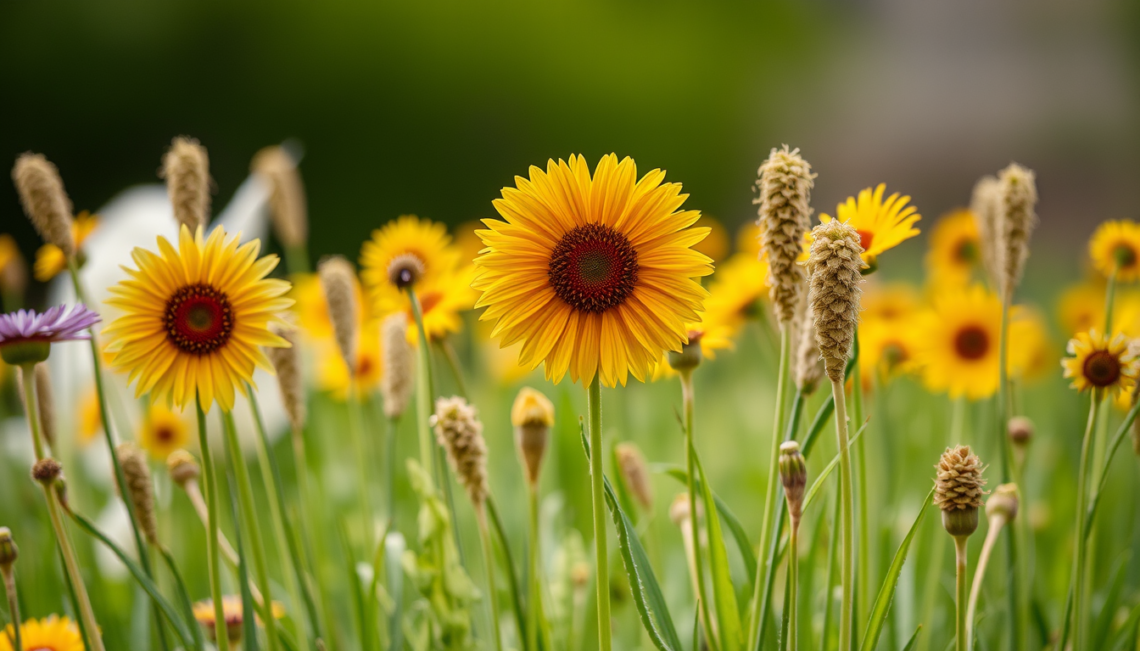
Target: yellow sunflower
1100,363
163,432
882,225
891,302
1115,248
957,342
196,318
50,260
738,287
425,242
53,633
442,297
955,249
332,373
594,274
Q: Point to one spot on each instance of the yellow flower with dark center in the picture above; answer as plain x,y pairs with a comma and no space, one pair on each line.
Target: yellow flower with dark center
881,224
163,432
53,633
1081,308
50,259
892,302
1032,352
332,374
196,318
424,241
1099,362
1115,248
957,342
955,249
886,349
442,298
594,274
738,287
232,609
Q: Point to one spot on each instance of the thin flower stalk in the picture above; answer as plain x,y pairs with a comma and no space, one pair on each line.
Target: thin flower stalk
489,565
1000,510
962,580
601,554
693,523
847,509
1079,587
213,531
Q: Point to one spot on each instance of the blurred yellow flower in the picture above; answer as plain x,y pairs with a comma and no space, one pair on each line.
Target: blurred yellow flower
882,225
424,240
891,302
50,260
163,431
1115,248
748,238
886,349
1096,361
90,416
53,633
467,241
232,611
955,249
1081,307
502,363
737,287
442,298
715,245
1031,353
332,373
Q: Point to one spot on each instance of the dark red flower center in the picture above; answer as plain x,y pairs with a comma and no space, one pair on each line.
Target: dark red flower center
1102,369
593,268
966,251
164,434
865,238
972,342
1124,255
198,319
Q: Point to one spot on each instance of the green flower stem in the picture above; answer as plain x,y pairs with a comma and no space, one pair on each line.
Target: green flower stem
390,467
938,545
793,581
599,499
828,600
847,524
534,586
687,400
213,554
1018,588
13,608
997,523
770,505
423,390
963,579
71,565
356,436
489,562
1078,581
249,511
863,563
452,359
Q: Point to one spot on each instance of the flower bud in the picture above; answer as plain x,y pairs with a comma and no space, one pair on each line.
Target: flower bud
690,355
46,471
958,490
679,511
793,473
9,552
635,473
182,467
533,416
1003,503
1020,430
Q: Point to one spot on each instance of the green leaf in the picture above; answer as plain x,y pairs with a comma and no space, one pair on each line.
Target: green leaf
887,590
508,561
184,600
727,612
913,639
642,582
1111,603
730,519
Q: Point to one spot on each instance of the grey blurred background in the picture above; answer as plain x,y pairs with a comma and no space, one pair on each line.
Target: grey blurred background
432,107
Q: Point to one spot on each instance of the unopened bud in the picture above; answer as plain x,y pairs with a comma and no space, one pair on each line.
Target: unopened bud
532,415
405,270
182,467
679,511
46,471
1020,430
9,552
793,473
690,356
635,473
1003,503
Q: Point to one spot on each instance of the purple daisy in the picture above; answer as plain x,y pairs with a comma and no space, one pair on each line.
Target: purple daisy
26,336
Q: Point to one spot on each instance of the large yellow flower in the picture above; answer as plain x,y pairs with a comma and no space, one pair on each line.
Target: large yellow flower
957,342
1115,248
52,633
882,225
442,297
50,260
163,431
595,275
424,241
1099,362
196,318
955,249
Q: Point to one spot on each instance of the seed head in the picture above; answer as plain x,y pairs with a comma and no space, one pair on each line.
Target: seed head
533,416
784,186
46,471
405,270
140,490
809,364
398,378
958,490
985,204
1003,503
44,200
635,472
183,467
679,511
338,279
287,363
186,168
9,552
793,474
458,430
1018,219
836,277
286,195
1020,430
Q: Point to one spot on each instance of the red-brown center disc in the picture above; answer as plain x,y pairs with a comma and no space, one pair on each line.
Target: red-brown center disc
164,434
865,239
593,268
972,342
1102,369
966,251
198,319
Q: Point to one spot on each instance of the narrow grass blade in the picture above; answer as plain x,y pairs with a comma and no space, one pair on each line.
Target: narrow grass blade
730,520
913,639
642,582
727,611
827,470
509,562
249,628
882,605
1111,603
353,583
184,600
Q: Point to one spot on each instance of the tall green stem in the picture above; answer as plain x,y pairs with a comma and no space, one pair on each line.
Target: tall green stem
770,505
1018,590
1078,581
534,585
938,545
71,565
249,511
213,553
847,525
687,400
13,607
489,562
863,566
996,525
356,435
423,390
793,582
963,579
601,553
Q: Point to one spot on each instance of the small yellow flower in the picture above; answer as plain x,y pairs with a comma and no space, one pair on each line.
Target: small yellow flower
1115,248
53,633
424,240
442,298
232,609
332,374
50,260
886,349
955,249
532,407
1098,362
162,432
882,225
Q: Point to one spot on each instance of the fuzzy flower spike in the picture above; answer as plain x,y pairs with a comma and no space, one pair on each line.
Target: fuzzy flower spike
784,184
26,337
836,267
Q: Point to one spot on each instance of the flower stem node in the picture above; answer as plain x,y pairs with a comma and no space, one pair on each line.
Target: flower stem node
9,552
1003,504
46,471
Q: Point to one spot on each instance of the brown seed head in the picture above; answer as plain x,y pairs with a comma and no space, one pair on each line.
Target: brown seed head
1020,430
635,472
1018,219
985,204
458,430
186,168
808,363
836,277
784,186
140,490
46,470
1003,503
44,200
338,278
958,484
532,415
286,195
793,474
398,378
9,552
183,467
287,363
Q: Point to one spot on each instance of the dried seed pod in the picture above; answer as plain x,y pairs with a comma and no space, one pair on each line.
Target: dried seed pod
398,378
186,168
958,490
338,280
836,280
635,472
183,467
139,489
793,474
286,195
1018,219
458,430
287,363
784,185
44,200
